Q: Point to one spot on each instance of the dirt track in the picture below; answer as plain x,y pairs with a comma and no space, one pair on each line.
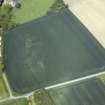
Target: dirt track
92,15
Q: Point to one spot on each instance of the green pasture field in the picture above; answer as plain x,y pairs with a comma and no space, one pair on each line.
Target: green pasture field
3,89
31,9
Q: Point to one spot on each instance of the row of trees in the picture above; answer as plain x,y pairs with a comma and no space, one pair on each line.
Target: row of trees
5,24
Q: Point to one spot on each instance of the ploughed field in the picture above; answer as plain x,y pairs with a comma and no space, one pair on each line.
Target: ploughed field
50,50
92,14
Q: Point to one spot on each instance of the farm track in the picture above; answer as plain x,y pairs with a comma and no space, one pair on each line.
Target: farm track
16,97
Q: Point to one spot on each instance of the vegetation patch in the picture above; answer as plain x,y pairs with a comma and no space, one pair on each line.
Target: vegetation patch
102,77
42,97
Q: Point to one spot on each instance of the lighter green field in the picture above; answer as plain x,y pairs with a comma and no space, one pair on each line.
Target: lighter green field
3,90
15,102
31,9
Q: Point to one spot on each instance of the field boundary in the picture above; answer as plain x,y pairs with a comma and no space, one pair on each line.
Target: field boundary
75,80
53,86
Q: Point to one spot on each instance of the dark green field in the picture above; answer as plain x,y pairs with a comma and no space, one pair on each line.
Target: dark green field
91,92
50,50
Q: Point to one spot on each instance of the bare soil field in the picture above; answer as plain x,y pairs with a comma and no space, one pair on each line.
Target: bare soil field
92,14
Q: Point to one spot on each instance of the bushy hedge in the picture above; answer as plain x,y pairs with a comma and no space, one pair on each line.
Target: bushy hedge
57,6
5,17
